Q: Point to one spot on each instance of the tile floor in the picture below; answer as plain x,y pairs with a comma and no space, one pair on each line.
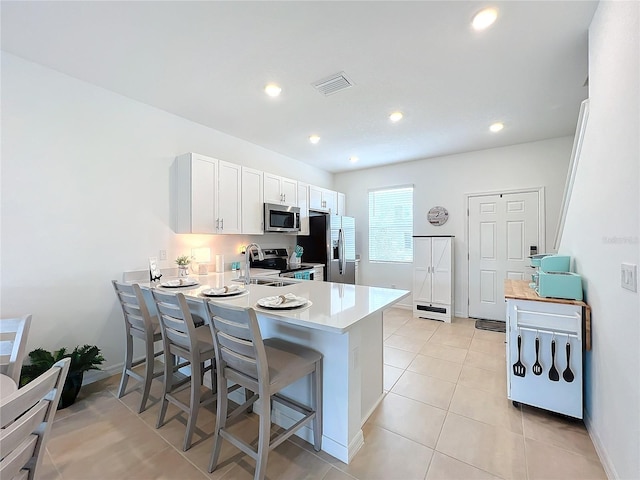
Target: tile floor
445,416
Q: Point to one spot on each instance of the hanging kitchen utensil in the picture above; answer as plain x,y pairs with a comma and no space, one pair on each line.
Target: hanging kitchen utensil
554,376
568,374
537,368
519,369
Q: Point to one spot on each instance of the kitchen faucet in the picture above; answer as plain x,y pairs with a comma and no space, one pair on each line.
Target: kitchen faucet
247,255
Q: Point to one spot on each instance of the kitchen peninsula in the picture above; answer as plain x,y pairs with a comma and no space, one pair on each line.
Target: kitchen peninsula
344,323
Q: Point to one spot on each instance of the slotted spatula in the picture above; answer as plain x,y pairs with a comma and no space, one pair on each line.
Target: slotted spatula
537,368
554,376
519,369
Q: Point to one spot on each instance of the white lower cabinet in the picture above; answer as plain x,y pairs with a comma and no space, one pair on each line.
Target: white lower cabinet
433,277
318,273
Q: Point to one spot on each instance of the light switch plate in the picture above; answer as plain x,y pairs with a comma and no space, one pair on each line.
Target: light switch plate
629,276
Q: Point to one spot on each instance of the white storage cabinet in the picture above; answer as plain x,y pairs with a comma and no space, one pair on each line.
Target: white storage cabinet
547,321
199,184
433,277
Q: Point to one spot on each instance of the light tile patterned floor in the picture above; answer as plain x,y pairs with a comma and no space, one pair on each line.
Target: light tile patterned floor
445,416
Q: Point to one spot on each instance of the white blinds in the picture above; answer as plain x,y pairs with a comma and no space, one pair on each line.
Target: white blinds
391,225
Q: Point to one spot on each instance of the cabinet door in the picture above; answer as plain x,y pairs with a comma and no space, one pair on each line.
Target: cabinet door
341,209
330,201
303,204
315,197
422,269
229,198
289,189
252,201
441,270
272,191
203,195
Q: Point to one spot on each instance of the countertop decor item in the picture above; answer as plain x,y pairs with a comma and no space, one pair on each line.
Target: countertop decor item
87,357
183,262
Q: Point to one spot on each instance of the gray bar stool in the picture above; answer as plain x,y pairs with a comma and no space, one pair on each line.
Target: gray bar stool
262,366
139,323
182,339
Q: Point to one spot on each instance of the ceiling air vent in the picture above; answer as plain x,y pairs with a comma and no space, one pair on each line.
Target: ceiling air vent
333,84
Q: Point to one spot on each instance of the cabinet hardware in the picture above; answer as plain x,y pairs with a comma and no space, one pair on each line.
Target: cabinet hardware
222,224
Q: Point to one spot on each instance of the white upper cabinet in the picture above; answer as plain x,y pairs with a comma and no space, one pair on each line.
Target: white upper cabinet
303,204
323,199
252,201
342,204
229,197
206,195
280,190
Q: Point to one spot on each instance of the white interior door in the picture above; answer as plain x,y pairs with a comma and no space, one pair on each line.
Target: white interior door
502,228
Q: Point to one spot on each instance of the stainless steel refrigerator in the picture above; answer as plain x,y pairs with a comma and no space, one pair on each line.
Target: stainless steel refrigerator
331,241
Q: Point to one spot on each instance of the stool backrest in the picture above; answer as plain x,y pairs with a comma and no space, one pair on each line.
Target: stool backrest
176,322
134,309
238,343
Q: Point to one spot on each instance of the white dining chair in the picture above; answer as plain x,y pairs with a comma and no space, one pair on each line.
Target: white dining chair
13,345
26,417
140,324
265,367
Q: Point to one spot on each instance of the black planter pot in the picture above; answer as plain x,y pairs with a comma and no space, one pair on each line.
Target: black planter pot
71,389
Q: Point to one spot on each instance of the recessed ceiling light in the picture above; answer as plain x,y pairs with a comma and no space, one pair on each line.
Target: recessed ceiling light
395,117
314,139
353,159
484,18
272,90
496,127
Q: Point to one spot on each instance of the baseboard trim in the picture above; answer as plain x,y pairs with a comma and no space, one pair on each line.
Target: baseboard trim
606,462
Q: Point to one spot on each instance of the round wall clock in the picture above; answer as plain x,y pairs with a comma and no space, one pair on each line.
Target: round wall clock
438,216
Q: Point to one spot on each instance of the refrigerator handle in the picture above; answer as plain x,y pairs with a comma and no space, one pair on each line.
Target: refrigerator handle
341,252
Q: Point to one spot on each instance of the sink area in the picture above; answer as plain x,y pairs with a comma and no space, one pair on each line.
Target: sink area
268,282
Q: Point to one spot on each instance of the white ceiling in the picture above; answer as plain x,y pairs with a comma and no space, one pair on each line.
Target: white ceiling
209,61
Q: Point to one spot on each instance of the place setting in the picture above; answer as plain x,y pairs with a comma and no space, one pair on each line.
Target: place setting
225,291
180,283
288,301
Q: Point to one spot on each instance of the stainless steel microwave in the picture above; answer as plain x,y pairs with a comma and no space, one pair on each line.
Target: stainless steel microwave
281,218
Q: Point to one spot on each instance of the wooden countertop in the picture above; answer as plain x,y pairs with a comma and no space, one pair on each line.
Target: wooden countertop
520,290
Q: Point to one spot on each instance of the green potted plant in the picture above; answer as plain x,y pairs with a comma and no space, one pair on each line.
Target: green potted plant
87,357
183,262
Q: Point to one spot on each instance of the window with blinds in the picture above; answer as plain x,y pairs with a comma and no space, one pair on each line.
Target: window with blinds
391,225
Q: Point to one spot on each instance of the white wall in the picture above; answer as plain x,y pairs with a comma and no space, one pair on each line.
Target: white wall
601,232
85,196
445,181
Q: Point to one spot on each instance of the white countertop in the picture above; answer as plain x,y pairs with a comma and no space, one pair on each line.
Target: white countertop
335,306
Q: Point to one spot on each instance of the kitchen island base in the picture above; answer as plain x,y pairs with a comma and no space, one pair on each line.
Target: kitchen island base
353,383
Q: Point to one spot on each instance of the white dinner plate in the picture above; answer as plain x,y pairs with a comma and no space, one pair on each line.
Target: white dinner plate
288,305
209,293
186,282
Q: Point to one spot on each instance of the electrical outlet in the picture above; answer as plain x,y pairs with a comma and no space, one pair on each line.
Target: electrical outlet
162,255
629,276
